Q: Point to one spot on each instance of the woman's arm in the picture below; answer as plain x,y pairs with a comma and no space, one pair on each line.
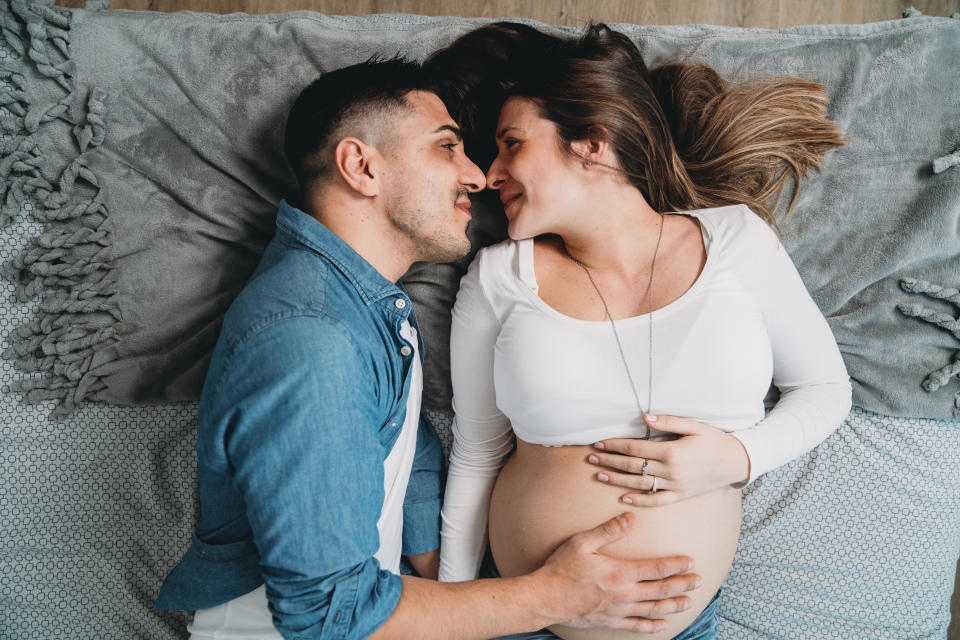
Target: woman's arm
482,434
427,565
808,369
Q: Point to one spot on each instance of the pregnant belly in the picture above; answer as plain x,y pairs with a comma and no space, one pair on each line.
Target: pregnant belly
546,494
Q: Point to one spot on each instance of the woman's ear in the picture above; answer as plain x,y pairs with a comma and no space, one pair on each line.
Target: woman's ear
353,158
594,149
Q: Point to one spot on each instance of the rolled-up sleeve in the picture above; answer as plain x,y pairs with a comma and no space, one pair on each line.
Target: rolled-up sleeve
421,504
298,408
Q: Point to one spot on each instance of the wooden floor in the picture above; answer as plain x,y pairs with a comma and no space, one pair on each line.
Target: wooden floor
770,14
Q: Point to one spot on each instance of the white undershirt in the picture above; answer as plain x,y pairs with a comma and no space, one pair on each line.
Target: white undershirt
397,466
521,367
248,616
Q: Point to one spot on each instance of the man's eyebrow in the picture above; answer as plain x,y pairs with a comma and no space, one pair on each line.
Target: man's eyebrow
452,129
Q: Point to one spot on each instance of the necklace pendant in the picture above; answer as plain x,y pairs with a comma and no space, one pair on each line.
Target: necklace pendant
638,421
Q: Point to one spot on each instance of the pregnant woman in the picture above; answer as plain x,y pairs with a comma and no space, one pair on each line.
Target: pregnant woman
642,306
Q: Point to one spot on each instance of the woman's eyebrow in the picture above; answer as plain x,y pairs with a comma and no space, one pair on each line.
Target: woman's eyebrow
503,131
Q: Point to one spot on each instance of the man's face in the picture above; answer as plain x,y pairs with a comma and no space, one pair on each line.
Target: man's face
426,180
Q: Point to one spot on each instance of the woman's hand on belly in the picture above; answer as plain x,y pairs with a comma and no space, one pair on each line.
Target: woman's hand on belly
703,459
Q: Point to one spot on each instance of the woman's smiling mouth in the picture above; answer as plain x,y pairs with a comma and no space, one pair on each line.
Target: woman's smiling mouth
508,200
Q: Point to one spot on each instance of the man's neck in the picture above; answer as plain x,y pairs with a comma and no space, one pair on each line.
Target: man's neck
361,226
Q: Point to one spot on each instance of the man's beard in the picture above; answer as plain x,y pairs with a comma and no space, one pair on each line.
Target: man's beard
434,245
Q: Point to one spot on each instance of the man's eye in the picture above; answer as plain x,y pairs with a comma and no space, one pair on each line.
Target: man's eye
451,146
510,143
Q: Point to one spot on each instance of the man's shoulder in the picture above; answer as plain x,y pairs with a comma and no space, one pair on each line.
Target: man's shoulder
289,346
299,291
306,327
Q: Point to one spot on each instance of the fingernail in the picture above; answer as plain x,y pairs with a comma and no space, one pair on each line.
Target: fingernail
691,565
699,581
599,445
627,500
651,417
593,459
602,477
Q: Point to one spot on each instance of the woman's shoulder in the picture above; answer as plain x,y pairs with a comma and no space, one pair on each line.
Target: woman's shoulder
500,264
730,215
735,224
495,258
499,252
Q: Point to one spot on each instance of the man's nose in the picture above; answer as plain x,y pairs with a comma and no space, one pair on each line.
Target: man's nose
472,178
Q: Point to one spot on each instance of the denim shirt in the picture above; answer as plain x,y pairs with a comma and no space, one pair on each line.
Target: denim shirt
303,401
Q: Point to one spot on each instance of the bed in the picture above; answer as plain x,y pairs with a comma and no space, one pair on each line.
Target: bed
139,174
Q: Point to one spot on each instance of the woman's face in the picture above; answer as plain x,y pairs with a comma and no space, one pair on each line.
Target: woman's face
537,180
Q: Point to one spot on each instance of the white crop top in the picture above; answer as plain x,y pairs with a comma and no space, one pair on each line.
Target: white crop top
521,367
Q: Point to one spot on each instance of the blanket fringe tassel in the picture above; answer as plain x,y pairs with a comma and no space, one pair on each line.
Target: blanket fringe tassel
942,164
940,377
68,267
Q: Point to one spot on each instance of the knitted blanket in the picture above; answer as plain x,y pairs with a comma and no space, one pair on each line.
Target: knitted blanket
150,144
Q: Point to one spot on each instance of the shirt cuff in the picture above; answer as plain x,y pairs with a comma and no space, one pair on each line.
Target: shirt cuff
358,604
421,527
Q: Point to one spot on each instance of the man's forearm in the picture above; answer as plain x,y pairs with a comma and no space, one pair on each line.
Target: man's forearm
478,610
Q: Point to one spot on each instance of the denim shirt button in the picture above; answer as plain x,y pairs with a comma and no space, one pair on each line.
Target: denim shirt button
400,303
405,350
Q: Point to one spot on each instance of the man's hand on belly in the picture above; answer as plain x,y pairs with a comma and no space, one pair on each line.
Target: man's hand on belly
598,590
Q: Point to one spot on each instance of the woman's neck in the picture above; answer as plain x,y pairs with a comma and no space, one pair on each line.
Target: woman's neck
619,234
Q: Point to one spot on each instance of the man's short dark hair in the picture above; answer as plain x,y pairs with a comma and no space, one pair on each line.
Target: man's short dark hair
344,102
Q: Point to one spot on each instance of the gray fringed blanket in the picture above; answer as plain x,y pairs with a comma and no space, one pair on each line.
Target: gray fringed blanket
150,145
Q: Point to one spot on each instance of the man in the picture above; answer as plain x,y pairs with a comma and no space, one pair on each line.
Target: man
314,475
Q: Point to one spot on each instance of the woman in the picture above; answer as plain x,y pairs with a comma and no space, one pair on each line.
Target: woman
606,326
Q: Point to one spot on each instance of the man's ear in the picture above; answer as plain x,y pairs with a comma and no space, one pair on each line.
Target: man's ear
353,159
594,149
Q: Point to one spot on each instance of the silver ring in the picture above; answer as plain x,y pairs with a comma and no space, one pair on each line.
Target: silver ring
643,469
654,490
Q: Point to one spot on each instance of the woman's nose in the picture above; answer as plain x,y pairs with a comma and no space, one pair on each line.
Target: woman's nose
495,175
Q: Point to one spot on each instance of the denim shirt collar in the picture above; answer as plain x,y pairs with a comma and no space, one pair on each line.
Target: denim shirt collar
308,231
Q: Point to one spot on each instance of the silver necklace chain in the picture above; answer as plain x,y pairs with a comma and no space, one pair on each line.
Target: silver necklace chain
616,334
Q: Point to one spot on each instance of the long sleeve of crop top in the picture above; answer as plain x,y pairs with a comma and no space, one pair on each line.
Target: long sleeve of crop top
808,370
482,434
